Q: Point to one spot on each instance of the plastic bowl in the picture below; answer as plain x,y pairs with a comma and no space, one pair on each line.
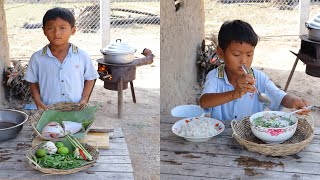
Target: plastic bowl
273,135
184,111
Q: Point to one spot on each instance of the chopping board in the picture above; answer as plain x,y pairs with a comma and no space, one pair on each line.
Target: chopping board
100,139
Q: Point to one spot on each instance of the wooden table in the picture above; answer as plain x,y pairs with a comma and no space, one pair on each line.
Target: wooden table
113,163
223,157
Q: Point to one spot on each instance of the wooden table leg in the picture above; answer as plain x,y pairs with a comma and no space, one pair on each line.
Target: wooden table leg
291,74
132,92
120,98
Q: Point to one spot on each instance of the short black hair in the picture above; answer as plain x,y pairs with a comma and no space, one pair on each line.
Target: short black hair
236,30
58,12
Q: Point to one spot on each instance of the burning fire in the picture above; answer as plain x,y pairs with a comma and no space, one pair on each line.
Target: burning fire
102,70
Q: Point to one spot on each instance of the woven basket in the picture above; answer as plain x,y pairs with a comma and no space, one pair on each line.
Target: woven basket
62,107
30,155
302,137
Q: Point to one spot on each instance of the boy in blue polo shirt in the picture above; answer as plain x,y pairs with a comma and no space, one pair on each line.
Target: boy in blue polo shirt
228,92
60,72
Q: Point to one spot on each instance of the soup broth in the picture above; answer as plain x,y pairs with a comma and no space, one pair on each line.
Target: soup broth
4,125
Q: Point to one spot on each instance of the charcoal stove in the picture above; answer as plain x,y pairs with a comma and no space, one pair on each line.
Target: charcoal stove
116,77
309,54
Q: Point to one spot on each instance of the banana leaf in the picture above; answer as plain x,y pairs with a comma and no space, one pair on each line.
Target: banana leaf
85,116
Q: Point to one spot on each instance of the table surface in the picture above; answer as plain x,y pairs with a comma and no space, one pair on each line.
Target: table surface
113,163
222,157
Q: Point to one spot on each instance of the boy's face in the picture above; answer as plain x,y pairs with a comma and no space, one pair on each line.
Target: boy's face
235,55
58,31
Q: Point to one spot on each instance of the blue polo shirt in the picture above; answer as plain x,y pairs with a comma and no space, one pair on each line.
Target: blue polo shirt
60,82
217,82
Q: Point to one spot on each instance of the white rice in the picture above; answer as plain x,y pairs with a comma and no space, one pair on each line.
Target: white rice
198,128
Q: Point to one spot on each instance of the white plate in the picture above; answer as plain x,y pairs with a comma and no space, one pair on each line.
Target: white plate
219,126
184,111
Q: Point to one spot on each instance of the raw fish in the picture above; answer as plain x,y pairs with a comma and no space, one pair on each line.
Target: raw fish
71,127
53,130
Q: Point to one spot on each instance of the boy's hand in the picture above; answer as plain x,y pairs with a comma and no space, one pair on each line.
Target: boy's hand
82,101
41,105
244,84
300,103
292,101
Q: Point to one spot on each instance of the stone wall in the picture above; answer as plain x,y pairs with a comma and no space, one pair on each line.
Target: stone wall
181,33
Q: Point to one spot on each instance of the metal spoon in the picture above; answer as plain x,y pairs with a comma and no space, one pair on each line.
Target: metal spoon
263,98
293,112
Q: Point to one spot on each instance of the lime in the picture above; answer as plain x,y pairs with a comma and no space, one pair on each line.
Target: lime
63,150
59,144
41,152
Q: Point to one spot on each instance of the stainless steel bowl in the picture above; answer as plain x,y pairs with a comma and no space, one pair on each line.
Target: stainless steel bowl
11,123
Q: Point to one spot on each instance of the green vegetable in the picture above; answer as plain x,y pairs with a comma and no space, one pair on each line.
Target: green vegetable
41,152
77,144
63,150
271,122
58,161
59,144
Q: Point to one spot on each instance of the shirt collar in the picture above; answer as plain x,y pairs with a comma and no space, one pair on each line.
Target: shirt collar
221,73
46,50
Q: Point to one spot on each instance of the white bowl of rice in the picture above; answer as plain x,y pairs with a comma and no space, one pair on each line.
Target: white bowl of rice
198,129
271,128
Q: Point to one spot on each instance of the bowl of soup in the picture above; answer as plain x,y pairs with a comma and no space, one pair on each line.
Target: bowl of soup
273,127
11,123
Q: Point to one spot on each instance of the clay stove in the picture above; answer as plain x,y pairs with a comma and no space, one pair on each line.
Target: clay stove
309,54
116,77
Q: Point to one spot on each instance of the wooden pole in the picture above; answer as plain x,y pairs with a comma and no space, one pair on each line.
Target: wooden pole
105,22
304,10
4,50
120,98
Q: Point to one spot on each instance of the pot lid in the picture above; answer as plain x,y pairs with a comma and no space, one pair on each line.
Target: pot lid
118,48
314,22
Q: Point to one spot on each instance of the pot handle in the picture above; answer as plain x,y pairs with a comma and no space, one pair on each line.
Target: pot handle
118,40
102,52
307,25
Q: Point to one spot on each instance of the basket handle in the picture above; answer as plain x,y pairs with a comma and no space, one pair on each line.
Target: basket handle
233,122
310,121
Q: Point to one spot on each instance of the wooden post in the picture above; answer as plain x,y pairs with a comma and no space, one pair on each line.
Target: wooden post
291,74
132,92
120,98
304,10
105,22
4,50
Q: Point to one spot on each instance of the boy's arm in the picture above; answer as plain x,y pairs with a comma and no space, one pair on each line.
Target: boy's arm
35,91
292,101
88,85
215,99
243,85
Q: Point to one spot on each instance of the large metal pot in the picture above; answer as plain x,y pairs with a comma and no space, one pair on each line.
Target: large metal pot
313,30
118,53
11,123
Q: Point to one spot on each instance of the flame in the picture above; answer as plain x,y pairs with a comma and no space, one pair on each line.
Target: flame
103,70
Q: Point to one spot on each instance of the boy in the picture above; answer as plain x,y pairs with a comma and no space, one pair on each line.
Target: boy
228,91
60,72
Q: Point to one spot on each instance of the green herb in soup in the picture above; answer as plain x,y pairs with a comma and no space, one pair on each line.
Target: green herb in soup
272,121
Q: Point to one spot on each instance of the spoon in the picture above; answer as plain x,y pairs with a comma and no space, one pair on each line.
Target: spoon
263,98
293,112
